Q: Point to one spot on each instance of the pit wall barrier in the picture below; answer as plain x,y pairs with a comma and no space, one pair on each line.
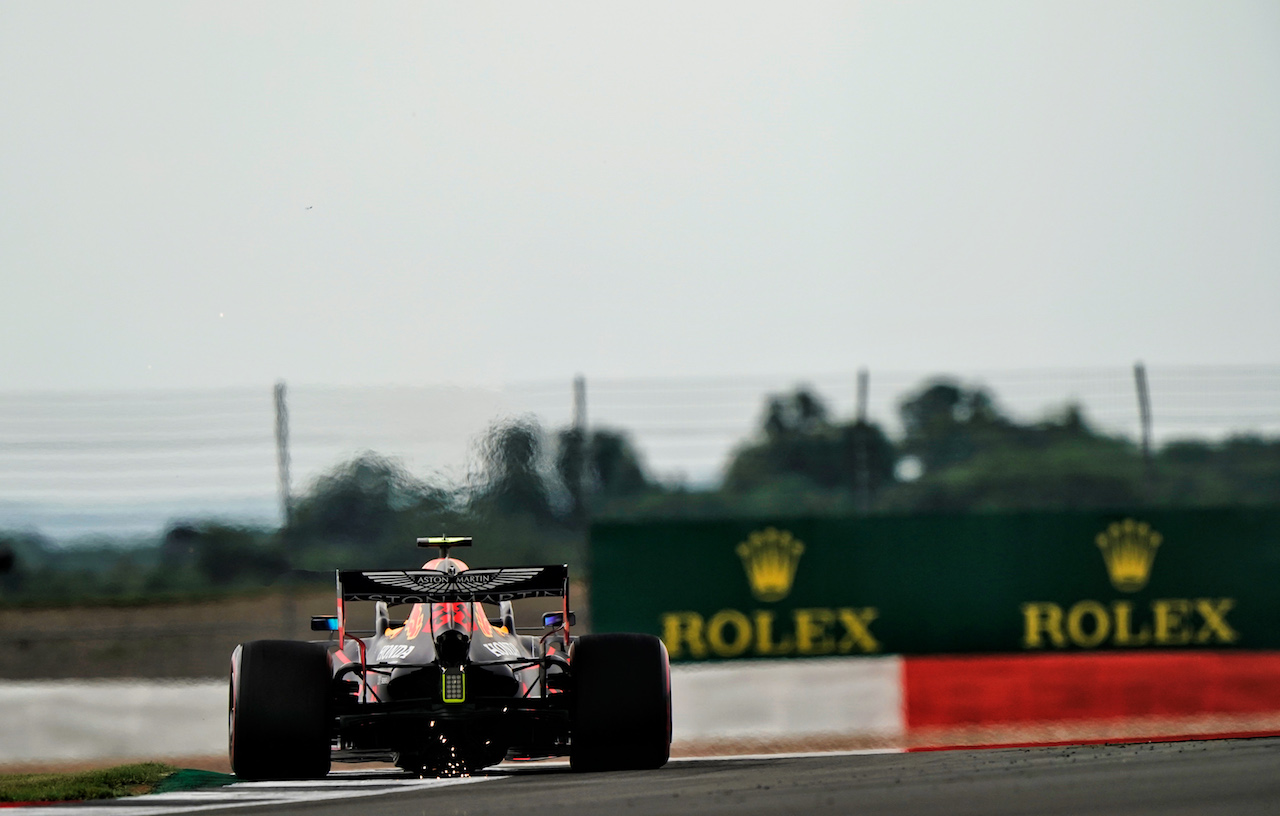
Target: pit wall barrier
887,702
85,720
917,702
1047,698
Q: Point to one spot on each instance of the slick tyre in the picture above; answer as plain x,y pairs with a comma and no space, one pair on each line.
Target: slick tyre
280,710
621,703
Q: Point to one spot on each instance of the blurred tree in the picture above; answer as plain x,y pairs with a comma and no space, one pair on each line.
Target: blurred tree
178,547
799,440
604,466
1252,465
798,412
28,555
946,423
11,568
976,458
367,507
571,467
1239,470
1061,475
615,469
228,555
512,482
205,553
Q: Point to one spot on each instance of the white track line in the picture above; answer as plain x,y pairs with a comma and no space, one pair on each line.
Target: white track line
515,767
793,755
252,794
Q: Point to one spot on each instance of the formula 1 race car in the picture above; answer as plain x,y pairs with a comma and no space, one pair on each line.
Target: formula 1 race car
448,690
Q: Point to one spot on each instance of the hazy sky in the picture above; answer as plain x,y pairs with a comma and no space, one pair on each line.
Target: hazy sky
206,194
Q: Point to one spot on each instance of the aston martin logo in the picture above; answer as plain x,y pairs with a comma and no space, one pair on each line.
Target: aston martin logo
1129,549
469,581
770,557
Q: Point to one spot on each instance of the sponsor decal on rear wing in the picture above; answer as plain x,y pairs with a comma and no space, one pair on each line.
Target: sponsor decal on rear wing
432,586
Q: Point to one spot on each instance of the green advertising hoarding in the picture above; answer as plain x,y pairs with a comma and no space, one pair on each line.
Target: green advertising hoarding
934,584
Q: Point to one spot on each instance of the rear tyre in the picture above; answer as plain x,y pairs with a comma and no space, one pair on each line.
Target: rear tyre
621,703
280,710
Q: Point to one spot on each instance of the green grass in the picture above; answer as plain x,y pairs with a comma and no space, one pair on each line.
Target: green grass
106,783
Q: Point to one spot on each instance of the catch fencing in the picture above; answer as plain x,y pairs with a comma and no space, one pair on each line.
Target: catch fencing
128,463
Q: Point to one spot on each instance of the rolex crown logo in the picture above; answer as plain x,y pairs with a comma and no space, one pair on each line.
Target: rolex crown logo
770,557
1129,548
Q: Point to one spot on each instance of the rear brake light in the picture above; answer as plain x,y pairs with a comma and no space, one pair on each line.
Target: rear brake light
454,686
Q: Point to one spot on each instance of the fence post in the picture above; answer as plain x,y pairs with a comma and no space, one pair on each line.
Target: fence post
1144,416
282,454
580,403
862,467
288,605
584,457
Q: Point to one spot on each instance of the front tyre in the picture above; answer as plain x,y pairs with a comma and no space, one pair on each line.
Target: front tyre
621,703
280,710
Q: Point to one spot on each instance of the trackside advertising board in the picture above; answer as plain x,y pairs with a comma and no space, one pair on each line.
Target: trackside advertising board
1028,582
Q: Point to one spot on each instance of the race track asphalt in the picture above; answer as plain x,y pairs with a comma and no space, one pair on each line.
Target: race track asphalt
1209,777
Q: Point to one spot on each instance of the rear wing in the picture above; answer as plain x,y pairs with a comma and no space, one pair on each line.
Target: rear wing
492,585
